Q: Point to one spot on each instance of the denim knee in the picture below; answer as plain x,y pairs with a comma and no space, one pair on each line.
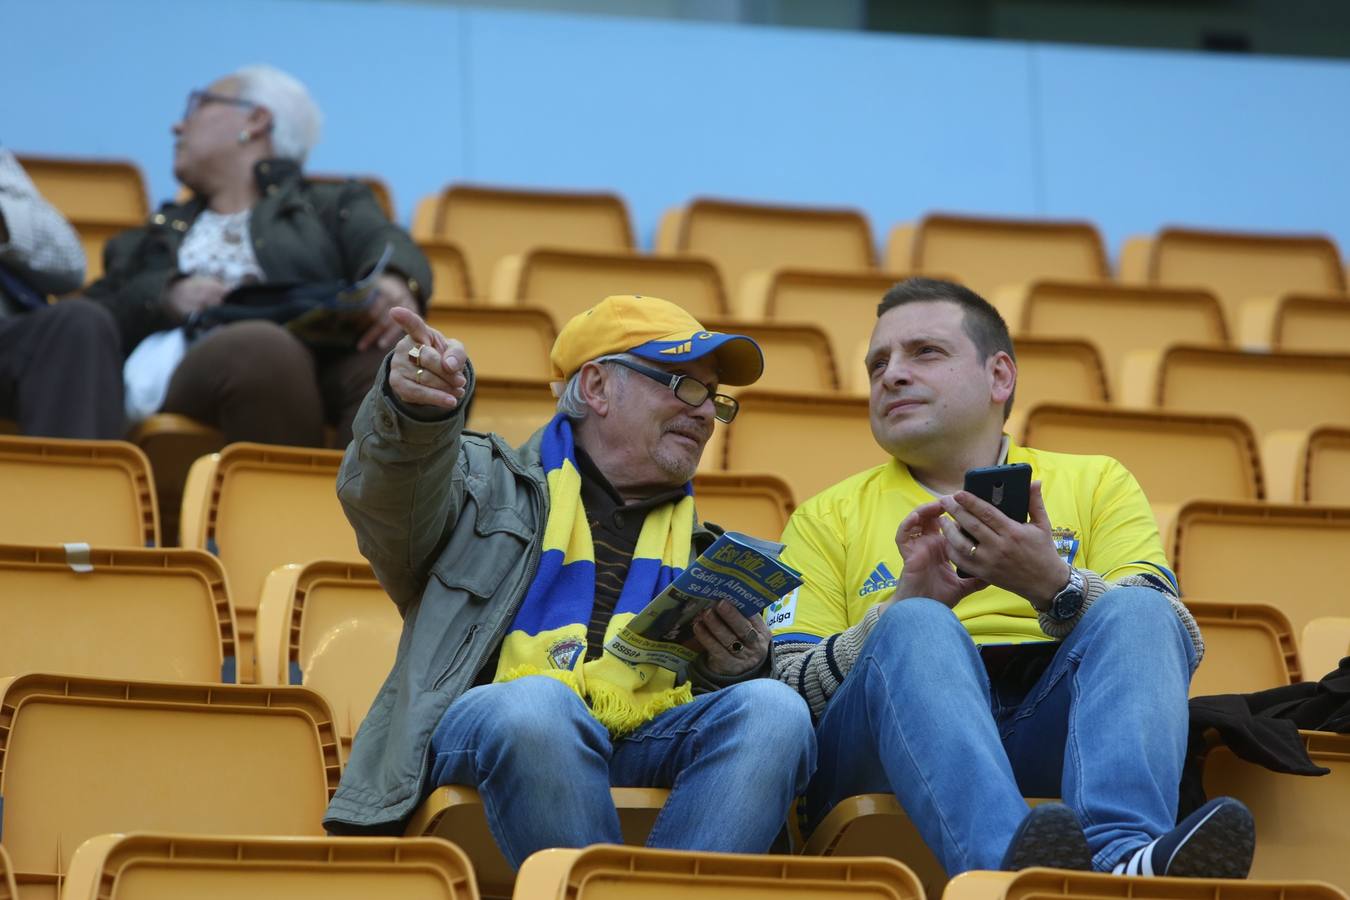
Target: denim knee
538,715
1139,616
916,626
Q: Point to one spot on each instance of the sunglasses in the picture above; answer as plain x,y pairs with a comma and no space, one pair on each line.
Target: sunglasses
689,389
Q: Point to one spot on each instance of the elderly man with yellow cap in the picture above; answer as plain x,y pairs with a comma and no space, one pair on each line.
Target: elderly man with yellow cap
512,566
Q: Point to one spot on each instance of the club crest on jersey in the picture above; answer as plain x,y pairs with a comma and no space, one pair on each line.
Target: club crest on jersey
1066,543
782,612
881,579
565,653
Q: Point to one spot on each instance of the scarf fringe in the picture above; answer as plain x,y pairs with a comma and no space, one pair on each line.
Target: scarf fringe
612,707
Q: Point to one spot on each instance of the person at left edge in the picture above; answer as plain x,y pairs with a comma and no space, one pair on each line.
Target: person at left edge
512,567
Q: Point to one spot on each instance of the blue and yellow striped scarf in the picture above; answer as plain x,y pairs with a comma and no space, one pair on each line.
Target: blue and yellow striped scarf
548,635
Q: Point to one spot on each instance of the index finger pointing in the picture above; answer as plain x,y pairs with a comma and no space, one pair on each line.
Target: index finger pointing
412,324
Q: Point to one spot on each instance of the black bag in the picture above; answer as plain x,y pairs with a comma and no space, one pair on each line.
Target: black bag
322,315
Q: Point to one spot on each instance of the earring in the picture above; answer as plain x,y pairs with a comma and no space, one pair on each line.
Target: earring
243,137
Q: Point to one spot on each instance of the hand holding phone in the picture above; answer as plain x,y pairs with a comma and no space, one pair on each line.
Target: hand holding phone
1007,488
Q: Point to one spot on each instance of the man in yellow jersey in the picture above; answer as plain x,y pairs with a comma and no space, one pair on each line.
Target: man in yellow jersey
1056,665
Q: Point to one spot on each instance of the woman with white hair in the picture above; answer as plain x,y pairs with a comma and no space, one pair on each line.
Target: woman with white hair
253,219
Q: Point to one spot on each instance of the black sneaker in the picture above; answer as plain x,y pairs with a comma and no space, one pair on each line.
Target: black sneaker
1215,841
1050,836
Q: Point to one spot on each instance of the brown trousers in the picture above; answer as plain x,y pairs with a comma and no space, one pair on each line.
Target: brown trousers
256,382
61,371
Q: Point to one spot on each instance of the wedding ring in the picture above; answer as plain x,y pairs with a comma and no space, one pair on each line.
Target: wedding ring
420,372
415,354
973,548
736,647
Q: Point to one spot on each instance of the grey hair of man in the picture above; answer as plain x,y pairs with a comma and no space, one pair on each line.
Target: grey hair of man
296,119
572,404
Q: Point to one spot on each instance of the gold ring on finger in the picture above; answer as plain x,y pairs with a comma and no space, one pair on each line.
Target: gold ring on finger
973,548
421,372
415,354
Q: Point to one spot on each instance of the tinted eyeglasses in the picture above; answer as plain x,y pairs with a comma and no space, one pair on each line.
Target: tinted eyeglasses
197,99
690,390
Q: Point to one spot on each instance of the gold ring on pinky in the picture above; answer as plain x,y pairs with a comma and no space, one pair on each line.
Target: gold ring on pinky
973,547
420,372
736,647
415,354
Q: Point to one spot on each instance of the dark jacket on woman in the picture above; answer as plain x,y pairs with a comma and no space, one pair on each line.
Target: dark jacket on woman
302,232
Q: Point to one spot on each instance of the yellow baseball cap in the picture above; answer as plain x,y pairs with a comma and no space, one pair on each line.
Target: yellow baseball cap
653,329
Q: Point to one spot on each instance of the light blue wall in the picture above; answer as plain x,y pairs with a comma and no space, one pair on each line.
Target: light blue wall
662,111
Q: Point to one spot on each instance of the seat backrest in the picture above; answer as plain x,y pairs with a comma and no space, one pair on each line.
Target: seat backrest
152,614
490,223
1175,456
267,506
160,865
796,357
513,408
1238,266
1301,827
1309,323
570,282
331,627
1119,319
81,757
843,305
8,889
449,272
1326,471
811,441
1285,556
1248,647
1058,370
987,254
103,191
502,341
757,505
607,871
1272,391
59,491
383,196
746,237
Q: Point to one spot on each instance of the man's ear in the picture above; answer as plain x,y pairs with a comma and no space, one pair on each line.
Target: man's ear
1003,377
596,388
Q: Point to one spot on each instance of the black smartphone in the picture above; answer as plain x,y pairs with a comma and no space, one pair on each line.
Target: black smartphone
1008,488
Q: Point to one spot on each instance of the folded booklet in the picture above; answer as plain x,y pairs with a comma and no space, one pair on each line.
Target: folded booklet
322,314
738,568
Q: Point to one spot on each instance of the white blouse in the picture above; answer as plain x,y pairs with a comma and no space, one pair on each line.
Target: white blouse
219,246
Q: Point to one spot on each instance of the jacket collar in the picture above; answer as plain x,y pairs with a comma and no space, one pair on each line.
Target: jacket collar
274,172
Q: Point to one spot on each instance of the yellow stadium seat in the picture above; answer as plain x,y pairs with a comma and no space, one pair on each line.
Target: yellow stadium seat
97,191
1301,826
1297,322
1326,467
758,505
8,889
94,237
1277,391
156,866
449,273
173,443
59,491
1285,556
455,813
797,357
874,825
1043,884
383,196
503,342
1135,254
567,282
1175,456
606,871
742,238
1324,643
331,627
1117,320
258,507
1056,370
490,223
82,757
1248,647
842,304
988,254
809,440
512,408
133,613
1240,267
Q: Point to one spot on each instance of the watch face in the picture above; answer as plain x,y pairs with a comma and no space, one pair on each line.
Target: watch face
1068,601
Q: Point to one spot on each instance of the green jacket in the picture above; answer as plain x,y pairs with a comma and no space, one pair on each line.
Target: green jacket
302,232
452,522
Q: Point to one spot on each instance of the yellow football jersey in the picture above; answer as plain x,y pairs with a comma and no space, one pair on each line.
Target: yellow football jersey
843,542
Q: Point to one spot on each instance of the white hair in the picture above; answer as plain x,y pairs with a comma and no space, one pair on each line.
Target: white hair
295,116
572,404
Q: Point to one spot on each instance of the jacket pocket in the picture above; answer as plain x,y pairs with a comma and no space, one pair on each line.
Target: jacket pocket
457,658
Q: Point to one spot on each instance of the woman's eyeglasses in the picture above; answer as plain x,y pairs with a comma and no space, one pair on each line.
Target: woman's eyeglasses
197,99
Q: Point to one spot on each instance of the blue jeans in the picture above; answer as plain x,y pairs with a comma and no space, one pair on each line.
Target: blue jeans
734,760
1104,727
